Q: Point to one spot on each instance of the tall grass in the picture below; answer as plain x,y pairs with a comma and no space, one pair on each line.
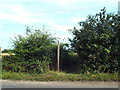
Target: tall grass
60,76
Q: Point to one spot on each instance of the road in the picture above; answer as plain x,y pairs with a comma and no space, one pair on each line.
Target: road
57,84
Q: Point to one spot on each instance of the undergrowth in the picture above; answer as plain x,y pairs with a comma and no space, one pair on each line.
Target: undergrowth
60,76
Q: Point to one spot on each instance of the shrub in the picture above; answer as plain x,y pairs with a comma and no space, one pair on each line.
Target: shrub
32,52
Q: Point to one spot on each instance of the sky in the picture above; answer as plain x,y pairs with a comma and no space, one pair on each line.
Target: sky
58,16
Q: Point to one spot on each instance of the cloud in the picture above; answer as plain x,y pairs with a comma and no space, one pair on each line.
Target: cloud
70,2
64,37
18,14
61,2
77,19
58,27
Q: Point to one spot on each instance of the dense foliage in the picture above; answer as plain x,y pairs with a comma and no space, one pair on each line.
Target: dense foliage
36,52
32,52
97,42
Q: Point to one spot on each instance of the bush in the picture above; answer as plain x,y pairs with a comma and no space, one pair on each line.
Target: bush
32,52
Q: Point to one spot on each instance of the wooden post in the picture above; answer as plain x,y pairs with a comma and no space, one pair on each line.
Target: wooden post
58,57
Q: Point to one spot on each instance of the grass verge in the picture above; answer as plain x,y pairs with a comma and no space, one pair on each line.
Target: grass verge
60,76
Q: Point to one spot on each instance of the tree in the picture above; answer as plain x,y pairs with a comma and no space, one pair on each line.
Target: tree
32,51
97,42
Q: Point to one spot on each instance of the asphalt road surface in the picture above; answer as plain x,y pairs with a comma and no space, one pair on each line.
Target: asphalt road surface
57,84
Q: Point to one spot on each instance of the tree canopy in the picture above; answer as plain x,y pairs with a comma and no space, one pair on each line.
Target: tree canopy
97,42
32,52
35,44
